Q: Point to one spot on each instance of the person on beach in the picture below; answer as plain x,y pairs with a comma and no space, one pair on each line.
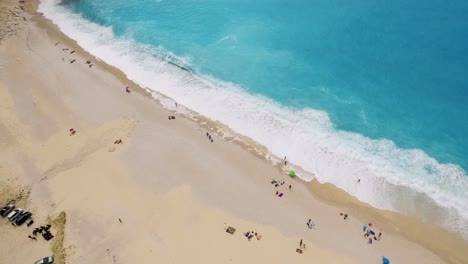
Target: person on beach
127,89
300,243
277,192
290,186
72,131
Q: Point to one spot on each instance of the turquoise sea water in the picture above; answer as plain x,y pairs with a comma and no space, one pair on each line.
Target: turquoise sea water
378,88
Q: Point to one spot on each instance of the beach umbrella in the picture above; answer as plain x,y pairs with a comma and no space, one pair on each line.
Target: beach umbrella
292,173
385,260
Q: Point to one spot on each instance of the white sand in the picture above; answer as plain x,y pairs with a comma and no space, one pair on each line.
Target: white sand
174,191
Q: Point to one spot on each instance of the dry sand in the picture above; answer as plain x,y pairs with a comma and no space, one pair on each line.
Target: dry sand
174,192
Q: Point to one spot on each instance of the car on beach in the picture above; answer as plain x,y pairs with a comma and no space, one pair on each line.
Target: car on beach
13,214
47,260
23,218
6,210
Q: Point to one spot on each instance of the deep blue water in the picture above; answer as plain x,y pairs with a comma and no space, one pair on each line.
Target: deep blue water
385,69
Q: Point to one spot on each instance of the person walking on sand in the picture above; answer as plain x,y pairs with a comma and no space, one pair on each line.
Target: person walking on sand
300,243
127,89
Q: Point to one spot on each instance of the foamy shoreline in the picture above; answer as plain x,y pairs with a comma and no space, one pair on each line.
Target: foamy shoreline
126,174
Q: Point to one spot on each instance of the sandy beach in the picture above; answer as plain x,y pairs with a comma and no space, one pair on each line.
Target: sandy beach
166,194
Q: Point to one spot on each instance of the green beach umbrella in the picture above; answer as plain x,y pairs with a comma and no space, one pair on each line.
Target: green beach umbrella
292,173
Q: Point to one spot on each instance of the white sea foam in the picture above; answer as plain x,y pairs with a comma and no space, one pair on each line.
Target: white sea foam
408,181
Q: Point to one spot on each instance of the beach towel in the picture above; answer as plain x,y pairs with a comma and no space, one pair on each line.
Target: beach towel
298,250
280,195
372,232
273,182
231,230
364,228
311,225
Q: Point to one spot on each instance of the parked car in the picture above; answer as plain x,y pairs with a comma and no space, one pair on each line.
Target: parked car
6,210
17,216
48,260
22,218
14,213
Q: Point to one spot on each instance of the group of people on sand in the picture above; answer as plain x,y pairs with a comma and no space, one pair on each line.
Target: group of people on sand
249,235
301,248
345,215
370,234
88,62
277,184
44,231
208,135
